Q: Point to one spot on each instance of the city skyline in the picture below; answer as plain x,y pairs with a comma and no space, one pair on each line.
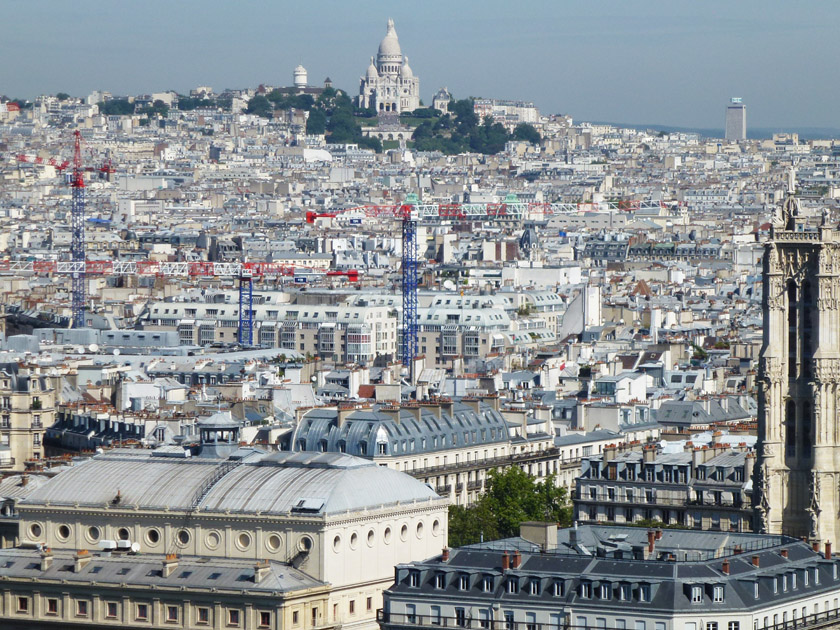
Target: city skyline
656,63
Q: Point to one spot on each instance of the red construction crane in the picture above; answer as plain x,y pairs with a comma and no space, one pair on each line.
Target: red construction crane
59,165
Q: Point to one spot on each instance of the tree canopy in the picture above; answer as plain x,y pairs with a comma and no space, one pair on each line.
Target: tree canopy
116,107
511,497
461,131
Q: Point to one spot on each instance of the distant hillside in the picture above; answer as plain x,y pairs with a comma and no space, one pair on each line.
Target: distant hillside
757,133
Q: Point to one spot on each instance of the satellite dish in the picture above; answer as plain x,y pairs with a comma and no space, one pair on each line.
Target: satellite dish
135,547
449,285
116,352
94,348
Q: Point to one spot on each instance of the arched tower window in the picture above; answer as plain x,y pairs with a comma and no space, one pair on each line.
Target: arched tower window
790,428
808,310
807,423
793,335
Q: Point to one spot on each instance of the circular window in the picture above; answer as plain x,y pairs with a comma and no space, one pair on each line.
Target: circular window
305,544
387,535
354,541
420,529
244,540
404,532
273,542
123,533
337,543
436,527
93,534
371,538
35,530
63,532
212,540
153,536
183,537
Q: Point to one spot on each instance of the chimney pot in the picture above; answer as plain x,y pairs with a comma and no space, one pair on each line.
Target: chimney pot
755,561
828,550
784,553
725,567
444,557
815,546
658,534
738,550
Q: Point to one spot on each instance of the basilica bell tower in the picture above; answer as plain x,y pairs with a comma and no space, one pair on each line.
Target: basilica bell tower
797,474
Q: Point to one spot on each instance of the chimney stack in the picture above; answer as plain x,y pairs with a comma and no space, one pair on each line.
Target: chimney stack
444,557
80,560
725,567
815,546
738,550
516,560
651,539
262,570
755,561
170,563
24,480
784,553
658,534
828,550
46,558
505,561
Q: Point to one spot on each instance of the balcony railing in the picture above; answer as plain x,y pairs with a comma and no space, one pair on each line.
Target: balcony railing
826,619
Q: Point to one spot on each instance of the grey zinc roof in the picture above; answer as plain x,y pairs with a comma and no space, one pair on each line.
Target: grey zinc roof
269,484
145,571
281,481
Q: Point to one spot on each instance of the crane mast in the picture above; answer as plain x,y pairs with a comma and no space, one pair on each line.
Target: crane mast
77,246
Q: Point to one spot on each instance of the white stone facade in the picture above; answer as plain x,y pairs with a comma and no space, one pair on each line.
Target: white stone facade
389,85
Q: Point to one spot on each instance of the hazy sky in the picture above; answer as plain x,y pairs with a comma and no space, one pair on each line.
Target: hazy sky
673,62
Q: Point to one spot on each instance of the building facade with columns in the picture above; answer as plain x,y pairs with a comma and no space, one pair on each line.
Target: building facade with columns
798,466
389,86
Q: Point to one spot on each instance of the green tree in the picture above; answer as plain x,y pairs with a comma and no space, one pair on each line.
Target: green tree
62,96
260,106
316,124
511,497
528,133
116,107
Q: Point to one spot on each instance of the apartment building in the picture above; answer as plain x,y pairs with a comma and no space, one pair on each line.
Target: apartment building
27,408
702,488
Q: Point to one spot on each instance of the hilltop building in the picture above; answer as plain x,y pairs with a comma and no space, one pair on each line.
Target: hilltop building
389,86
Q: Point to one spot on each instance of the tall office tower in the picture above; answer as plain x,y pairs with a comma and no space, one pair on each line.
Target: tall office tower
797,474
736,120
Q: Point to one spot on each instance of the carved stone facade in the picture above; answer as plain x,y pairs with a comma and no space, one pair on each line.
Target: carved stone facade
796,479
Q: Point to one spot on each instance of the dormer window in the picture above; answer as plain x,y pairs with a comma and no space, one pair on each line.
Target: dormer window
440,580
558,588
696,594
463,582
414,578
487,585
717,594
644,593
535,587
512,586
604,591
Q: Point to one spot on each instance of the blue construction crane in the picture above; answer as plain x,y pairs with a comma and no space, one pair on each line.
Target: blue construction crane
77,245
246,307
409,341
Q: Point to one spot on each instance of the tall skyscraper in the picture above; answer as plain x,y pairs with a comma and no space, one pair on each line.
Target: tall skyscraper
797,475
736,120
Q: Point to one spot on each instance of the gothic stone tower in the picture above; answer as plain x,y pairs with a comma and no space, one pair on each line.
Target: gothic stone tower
798,470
